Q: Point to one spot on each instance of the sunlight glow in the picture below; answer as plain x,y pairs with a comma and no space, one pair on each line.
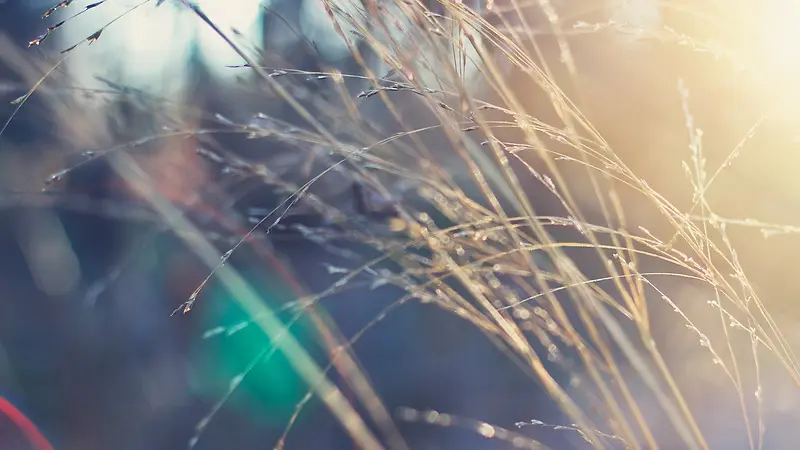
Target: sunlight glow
781,28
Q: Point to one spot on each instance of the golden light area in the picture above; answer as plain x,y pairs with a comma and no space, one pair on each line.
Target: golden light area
780,24
739,62
708,85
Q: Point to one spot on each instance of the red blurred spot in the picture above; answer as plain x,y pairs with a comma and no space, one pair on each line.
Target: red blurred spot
25,425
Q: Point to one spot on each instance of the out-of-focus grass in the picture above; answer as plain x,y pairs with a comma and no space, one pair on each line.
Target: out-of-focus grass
547,172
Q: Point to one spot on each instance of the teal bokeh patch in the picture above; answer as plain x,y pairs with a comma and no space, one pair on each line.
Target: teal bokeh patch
271,390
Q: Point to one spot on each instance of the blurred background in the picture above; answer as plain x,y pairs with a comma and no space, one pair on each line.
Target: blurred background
89,277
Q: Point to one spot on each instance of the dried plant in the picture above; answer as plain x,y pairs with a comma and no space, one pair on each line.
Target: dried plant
475,162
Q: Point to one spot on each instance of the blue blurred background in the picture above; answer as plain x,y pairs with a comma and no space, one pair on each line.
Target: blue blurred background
88,279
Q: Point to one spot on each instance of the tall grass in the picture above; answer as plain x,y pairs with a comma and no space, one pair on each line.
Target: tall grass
523,220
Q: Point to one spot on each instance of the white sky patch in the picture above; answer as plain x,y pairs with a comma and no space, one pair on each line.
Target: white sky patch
245,16
150,47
